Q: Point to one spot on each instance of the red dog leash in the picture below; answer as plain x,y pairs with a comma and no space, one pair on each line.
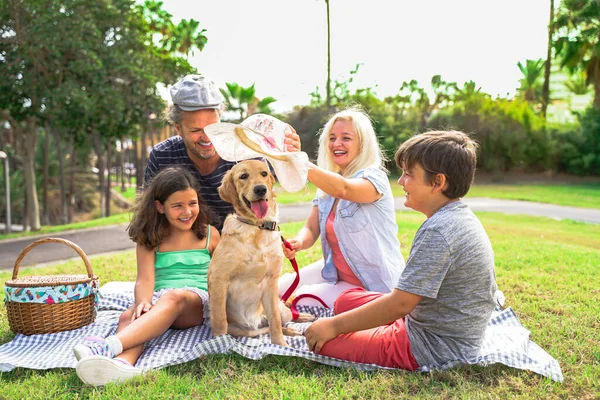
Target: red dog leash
294,285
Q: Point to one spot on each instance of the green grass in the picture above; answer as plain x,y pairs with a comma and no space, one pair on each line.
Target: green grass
579,195
116,219
129,193
549,271
576,195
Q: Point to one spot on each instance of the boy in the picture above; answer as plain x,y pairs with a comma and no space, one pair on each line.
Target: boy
442,302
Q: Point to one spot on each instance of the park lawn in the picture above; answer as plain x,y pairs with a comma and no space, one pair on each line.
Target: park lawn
116,219
576,195
547,269
129,193
580,195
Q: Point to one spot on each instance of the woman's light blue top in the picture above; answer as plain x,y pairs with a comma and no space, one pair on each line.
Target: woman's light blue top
367,234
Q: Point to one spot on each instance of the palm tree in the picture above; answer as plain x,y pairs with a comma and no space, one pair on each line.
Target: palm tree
468,91
546,86
530,84
261,105
244,100
158,19
328,87
185,38
578,84
578,40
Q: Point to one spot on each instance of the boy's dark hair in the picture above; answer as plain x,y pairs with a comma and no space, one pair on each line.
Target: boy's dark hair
451,153
148,227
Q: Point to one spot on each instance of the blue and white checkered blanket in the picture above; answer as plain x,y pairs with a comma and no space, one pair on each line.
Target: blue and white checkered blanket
506,342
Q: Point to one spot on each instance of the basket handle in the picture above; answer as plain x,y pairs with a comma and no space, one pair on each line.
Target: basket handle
72,245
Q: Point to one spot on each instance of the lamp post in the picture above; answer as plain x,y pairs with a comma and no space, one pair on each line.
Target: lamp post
7,187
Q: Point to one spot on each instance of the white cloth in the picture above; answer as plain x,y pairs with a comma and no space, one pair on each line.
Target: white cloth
261,135
506,342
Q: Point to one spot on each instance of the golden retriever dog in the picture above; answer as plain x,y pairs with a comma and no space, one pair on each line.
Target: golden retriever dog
245,266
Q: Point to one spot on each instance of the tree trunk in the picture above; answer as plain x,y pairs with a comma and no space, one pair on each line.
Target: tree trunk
61,179
72,181
45,219
33,207
108,178
546,87
25,222
328,88
139,163
597,94
130,162
100,166
121,164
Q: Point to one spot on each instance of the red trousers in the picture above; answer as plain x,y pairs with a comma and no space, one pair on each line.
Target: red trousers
386,345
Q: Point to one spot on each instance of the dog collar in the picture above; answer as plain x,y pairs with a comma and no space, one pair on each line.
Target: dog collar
266,225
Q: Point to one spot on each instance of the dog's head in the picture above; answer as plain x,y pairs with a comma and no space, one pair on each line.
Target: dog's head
248,186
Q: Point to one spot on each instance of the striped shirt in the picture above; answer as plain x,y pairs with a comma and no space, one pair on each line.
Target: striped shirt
172,152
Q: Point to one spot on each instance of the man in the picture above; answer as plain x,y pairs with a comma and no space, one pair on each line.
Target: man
197,103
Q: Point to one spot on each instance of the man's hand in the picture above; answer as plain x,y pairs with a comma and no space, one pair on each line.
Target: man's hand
141,308
320,332
295,244
292,140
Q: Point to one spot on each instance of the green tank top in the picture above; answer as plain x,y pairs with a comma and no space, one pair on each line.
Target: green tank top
178,269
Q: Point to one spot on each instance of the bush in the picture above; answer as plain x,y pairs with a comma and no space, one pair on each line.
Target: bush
510,134
578,148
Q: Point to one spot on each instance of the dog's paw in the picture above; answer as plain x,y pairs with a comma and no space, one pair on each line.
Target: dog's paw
304,317
287,331
219,332
280,342
290,300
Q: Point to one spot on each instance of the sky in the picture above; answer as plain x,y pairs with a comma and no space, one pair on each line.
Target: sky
281,45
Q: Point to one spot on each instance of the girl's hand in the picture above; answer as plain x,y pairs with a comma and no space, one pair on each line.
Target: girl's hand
141,308
320,332
295,244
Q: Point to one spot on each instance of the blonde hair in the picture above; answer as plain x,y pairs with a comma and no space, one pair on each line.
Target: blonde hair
369,154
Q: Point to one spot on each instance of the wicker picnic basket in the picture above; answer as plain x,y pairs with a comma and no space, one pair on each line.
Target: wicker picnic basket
56,313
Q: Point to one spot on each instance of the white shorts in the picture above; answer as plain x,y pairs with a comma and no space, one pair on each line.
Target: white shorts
203,294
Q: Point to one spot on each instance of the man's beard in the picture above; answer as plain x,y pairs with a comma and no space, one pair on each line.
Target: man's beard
202,155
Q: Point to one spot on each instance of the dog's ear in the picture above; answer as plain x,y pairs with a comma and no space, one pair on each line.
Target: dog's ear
227,190
271,179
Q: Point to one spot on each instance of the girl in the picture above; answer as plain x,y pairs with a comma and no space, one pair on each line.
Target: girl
170,225
353,213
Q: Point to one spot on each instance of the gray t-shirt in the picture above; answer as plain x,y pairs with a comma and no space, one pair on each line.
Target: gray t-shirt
451,264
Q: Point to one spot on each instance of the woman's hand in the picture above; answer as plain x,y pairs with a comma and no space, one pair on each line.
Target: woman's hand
320,332
295,244
292,140
140,308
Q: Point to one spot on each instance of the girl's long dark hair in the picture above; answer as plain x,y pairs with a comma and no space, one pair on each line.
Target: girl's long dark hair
148,227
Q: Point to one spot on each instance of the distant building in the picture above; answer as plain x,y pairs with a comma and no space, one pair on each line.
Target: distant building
562,101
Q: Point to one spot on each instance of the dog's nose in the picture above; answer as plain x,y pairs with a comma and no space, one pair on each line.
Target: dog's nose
260,190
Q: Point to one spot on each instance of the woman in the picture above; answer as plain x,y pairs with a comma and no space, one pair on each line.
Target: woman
353,213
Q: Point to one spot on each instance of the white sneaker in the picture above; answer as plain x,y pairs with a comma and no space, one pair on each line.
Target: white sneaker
100,370
94,346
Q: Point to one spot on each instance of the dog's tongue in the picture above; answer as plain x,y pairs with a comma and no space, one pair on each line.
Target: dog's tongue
259,208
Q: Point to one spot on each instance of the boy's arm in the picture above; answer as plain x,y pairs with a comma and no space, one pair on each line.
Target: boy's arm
384,310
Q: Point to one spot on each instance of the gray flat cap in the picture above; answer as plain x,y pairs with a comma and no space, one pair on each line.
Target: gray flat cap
195,92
